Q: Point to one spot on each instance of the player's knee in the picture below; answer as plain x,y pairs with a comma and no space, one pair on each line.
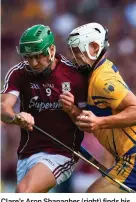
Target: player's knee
21,188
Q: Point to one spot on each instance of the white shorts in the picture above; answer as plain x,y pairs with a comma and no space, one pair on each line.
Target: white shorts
61,166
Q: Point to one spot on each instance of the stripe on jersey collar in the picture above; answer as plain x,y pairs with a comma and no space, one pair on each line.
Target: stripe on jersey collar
100,63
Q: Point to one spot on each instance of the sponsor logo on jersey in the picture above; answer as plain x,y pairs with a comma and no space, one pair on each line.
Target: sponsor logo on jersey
39,105
34,86
66,87
48,85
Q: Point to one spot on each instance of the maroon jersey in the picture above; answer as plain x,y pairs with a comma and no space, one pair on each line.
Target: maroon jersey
39,96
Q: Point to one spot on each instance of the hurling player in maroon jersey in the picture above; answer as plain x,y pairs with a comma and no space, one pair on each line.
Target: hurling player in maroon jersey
38,81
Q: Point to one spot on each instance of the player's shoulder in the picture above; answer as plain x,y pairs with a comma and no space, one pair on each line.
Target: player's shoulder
107,71
108,68
66,62
16,69
70,67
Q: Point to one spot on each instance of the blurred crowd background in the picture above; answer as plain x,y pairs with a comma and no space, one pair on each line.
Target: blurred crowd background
119,16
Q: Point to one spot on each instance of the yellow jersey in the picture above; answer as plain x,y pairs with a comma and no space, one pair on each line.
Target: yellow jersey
105,92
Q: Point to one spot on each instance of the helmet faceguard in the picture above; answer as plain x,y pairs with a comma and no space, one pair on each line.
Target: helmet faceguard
36,40
81,37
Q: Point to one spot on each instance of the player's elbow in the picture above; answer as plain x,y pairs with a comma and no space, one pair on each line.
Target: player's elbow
21,188
131,115
6,113
3,110
3,106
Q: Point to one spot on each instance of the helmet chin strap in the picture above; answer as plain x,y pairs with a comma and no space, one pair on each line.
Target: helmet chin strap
87,68
99,57
48,69
100,54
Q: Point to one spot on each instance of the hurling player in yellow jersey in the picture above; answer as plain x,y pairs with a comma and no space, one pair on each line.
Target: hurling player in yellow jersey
111,109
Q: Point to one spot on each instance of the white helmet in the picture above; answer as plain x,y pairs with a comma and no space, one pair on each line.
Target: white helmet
82,36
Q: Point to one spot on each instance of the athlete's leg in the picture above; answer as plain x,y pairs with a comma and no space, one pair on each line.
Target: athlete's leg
124,171
39,179
102,185
42,171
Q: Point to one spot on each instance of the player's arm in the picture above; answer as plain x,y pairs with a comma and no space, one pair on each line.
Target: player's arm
126,114
10,93
73,104
67,101
8,102
74,113
120,99
8,115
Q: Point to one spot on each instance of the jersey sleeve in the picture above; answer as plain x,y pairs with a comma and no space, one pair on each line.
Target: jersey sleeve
12,82
110,90
81,92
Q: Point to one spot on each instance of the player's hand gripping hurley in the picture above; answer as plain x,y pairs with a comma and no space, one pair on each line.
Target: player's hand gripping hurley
126,188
